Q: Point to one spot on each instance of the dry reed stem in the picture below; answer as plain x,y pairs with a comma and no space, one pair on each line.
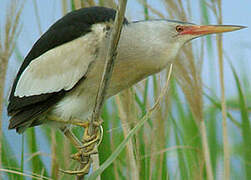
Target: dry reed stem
206,150
124,115
128,100
66,153
161,139
109,64
158,133
7,44
116,165
161,95
91,2
78,4
54,161
108,68
190,85
190,82
223,101
95,163
155,107
64,7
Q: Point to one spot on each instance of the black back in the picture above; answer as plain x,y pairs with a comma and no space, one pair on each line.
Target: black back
71,26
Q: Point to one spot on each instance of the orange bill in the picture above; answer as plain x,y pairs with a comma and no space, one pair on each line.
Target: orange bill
209,29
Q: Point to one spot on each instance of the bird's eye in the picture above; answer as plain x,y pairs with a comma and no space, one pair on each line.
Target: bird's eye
179,28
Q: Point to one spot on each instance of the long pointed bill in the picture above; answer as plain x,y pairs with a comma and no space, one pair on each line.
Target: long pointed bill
210,29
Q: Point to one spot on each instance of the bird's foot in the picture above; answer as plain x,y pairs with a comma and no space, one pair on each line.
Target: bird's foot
85,161
89,140
83,171
78,156
87,148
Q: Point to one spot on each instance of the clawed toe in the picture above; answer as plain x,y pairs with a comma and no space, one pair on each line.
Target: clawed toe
89,140
78,156
80,172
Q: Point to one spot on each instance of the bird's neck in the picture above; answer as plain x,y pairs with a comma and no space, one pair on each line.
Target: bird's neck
141,52
145,44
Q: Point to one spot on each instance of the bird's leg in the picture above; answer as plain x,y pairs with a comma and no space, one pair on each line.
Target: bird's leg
72,121
72,138
87,147
79,156
90,146
87,139
68,133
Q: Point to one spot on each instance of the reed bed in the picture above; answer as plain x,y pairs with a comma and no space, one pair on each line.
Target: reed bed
185,136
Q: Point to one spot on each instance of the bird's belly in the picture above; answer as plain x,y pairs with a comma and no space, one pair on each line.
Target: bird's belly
74,105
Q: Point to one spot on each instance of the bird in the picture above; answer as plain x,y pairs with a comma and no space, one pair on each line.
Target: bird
60,75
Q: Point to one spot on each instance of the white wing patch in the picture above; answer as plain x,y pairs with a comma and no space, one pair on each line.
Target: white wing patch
61,67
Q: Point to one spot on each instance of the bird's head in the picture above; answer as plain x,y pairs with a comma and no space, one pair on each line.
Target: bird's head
159,41
182,32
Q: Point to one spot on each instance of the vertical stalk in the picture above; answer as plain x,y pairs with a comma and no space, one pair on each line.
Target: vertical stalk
2,82
124,114
95,164
7,44
54,163
109,64
206,150
78,4
223,102
3,69
64,7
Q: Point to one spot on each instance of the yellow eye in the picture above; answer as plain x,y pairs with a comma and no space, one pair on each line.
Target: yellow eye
179,28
